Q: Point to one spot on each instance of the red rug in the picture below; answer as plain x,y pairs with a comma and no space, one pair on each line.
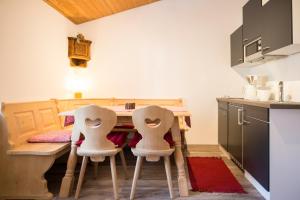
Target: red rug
209,174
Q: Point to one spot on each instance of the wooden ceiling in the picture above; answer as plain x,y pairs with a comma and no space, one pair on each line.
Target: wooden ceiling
80,11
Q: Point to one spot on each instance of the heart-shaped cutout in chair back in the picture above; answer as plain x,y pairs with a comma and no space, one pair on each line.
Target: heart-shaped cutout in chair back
90,123
152,123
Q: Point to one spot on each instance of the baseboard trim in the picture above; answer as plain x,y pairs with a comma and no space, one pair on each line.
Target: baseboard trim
203,147
224,152
202,150
258,186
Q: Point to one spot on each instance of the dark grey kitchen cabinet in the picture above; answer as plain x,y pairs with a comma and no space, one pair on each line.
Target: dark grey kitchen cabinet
223,124
237,49
235,138
252,20
277,31
256,144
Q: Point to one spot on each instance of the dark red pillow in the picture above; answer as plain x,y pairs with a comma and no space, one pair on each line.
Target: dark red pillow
137,137
125,126
69,120
118,138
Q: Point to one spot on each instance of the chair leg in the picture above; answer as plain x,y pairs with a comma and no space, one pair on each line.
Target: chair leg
81,176
136,176
169,175
141,169
114,176
95,170
124,164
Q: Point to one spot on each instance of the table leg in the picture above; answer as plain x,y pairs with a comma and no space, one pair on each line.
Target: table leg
179,159
68,180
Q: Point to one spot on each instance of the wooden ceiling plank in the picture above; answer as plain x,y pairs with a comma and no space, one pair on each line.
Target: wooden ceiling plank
98,5
125,5
80,11
57,6
107,8
112,5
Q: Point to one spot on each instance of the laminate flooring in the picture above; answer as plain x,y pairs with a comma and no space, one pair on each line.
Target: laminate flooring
152,184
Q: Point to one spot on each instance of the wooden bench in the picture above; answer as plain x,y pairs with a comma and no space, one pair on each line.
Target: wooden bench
22,164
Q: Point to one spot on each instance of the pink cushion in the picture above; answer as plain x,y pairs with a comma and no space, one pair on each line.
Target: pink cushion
137,137
118,138
57,136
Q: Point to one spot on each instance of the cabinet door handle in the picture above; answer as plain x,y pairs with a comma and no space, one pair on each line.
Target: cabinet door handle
245,122
240,116
246,39
240,60
266,48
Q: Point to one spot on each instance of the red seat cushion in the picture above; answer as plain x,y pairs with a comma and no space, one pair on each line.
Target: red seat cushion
118,138
137,137
69,120
125,126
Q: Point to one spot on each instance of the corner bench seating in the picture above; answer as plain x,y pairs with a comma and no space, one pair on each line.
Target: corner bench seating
22,164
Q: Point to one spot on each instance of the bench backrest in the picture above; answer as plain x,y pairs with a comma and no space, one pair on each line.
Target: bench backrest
70,104
30,118
24,120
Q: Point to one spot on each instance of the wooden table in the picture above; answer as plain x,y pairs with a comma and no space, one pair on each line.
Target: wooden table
125,116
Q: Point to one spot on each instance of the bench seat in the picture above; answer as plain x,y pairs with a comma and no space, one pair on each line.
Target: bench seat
40,149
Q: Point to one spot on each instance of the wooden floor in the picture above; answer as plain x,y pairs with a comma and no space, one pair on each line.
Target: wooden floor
151,186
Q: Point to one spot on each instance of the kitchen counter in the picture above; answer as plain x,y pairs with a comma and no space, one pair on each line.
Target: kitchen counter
263,104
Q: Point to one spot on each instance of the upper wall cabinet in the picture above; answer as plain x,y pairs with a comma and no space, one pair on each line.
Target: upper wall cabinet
252,12
236,44
271,30
281,20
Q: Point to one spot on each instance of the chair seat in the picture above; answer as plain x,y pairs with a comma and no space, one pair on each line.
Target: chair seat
110,152
144,152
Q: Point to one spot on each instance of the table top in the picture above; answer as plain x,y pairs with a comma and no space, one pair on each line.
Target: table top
121,111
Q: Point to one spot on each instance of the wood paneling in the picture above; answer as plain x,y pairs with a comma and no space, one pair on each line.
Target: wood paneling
80,11
30,118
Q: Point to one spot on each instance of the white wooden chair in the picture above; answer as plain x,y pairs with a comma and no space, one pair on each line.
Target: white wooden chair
95,123
152,122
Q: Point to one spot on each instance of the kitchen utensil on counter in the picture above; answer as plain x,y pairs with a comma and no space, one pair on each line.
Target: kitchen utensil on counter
251,79
263,94
281,94
250,92
261,81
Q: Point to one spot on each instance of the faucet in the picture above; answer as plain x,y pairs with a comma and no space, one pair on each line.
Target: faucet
280,91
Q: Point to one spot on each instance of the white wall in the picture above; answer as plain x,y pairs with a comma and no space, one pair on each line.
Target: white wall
33,50
168,49
287,70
